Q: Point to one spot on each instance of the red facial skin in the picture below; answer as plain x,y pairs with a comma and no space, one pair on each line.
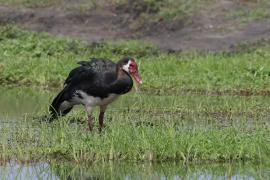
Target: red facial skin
133,70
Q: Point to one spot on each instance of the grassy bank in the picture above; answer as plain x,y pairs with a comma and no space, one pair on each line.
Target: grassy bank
191,107
41,60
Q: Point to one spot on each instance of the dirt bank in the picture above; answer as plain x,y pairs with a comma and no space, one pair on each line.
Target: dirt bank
211,28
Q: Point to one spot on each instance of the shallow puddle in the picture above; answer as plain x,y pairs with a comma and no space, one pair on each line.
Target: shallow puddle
34,171
15,103
129,171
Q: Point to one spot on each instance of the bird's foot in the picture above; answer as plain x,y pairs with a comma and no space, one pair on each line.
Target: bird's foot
100,128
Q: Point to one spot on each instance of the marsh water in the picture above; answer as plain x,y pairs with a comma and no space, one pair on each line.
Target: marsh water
45,170
17,103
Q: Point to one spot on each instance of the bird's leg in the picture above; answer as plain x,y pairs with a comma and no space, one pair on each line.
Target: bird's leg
90,122
101,117
90,118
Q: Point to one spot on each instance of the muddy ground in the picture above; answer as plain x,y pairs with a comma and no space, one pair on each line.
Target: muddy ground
210,28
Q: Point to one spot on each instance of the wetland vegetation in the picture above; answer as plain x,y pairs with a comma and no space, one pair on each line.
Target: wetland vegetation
192,106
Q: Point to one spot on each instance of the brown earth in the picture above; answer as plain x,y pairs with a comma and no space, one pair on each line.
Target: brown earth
209,29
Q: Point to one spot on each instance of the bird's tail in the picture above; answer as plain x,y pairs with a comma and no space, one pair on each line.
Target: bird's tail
55,106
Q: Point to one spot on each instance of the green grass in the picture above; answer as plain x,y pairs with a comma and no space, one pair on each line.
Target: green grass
125,139
250,11
188,108
41,60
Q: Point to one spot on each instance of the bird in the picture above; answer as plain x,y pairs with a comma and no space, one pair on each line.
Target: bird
96,82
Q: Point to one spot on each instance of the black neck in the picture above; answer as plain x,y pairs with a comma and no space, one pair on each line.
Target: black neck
123,83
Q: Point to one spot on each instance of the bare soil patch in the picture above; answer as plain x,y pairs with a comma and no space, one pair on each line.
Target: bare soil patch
209,29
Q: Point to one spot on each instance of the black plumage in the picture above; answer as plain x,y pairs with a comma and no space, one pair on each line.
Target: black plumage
94,83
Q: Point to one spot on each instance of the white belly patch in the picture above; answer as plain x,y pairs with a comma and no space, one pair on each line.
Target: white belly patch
93,101
65,105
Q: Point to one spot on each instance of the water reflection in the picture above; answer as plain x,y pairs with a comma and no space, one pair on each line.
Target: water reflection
10,171
129,171
16,102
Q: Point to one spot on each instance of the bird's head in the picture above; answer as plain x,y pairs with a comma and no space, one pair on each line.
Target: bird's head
130,66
